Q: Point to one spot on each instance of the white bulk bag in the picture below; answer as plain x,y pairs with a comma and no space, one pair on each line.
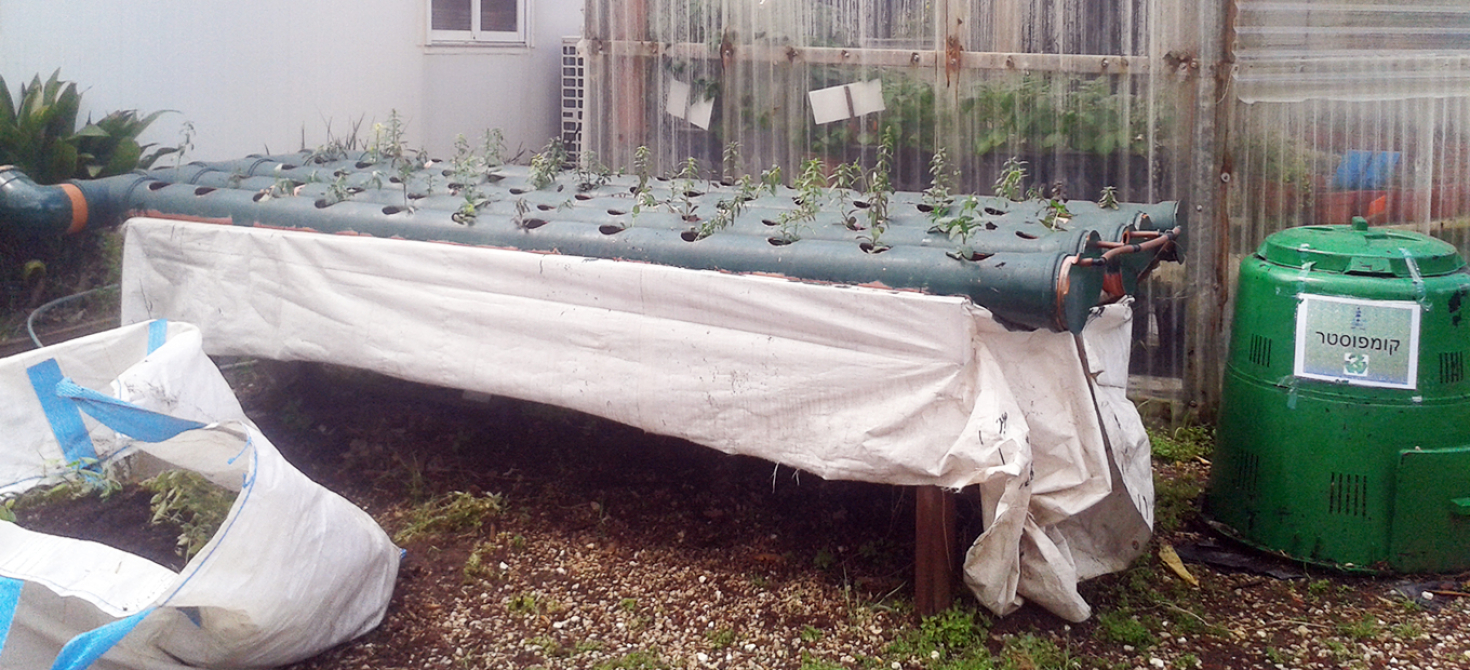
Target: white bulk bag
293,570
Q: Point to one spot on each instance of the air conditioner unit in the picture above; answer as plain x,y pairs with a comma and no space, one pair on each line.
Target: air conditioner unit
573,94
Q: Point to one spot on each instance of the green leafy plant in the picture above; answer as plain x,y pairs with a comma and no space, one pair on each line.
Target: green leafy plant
1109,198
954,637
190,501
730,162
337,191
845,178
771,178
880,187
547,164
937,197
387,142
682,202
812,188
1055,214
1008,184
38,134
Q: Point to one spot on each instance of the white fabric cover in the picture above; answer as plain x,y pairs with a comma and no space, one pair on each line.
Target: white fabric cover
261,593
845,382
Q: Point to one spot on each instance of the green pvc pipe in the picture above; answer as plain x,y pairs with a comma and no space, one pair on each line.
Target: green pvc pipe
1027,274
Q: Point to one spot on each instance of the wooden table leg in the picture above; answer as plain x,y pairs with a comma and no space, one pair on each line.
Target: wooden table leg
934,549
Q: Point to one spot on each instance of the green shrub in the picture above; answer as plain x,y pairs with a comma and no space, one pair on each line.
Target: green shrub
38,134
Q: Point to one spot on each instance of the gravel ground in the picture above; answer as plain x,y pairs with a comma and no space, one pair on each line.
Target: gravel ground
543,538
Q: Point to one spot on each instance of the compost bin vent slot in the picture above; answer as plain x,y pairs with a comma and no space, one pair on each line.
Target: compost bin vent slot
1261,351
1247,472
1451,367
1348,495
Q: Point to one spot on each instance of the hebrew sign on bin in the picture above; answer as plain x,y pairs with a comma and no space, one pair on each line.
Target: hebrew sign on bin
1359,342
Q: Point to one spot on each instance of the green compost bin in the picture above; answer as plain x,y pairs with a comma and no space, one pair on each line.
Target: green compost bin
1344,433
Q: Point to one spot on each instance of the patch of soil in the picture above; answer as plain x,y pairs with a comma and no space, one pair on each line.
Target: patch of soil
616,548
622,549
121,521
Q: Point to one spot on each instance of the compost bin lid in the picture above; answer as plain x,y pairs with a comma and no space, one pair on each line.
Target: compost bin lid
1359,249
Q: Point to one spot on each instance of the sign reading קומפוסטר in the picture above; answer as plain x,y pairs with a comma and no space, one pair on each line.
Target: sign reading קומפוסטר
1360,342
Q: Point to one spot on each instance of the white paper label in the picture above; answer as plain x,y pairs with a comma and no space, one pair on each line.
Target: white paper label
1359,342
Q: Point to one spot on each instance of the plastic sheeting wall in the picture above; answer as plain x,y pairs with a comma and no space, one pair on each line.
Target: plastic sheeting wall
1086,94
1351,108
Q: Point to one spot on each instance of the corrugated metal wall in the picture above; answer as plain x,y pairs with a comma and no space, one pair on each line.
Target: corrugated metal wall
1258,115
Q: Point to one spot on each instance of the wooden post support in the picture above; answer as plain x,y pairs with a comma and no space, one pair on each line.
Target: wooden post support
934,549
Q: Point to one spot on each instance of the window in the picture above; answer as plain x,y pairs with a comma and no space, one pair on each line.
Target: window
482,21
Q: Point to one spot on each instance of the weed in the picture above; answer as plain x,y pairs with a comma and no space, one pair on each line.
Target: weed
956,635
1338,650
810,662
1365,628
476,567
1123,627
824,559
629,605
721,638
1174,502
1275,656
585,646
1188,662
1109,198
7,510
811,634
450,513
549,646
1182,444
637,660
1031,651
1407,631
193,503
524,603
1318,588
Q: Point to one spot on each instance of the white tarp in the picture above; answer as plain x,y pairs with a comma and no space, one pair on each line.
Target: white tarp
845,382
260,593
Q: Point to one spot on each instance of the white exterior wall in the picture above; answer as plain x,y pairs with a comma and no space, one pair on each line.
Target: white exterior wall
258,75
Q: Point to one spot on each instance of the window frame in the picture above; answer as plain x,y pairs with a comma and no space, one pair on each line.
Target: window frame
477,37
